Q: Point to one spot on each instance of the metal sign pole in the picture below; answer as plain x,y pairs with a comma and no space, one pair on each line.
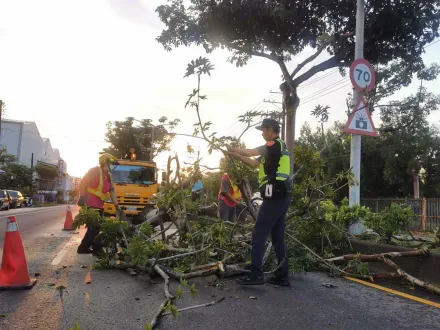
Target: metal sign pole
355,155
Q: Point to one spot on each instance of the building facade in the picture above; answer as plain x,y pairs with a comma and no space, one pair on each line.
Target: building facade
22,139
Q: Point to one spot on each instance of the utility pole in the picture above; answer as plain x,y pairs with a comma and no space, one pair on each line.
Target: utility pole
283,115
355,155
152,142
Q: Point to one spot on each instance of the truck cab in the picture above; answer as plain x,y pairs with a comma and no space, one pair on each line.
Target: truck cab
136,186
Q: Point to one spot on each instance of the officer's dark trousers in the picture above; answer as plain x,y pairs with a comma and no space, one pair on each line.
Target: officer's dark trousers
89,238
270,220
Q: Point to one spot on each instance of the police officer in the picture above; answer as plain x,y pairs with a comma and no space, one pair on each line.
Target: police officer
276,191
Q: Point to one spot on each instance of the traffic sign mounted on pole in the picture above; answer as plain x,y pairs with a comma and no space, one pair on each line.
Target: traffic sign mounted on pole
360,122
362,75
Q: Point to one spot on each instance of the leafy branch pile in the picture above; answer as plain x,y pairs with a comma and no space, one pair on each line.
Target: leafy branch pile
192,242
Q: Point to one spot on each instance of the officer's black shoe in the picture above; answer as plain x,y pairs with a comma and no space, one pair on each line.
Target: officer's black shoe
250,279
98,252
277,280
82,250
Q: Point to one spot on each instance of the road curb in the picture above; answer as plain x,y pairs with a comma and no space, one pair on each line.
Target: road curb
424,268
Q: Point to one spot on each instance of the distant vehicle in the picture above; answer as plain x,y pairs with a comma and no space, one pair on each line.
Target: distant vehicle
5,200
17,199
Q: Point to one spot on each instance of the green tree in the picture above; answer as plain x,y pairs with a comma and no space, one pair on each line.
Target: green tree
6,158
407,142
121,135
73,194
278,30
47,172
321,113
16,176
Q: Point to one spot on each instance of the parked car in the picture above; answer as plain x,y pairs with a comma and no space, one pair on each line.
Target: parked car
17,199
5,200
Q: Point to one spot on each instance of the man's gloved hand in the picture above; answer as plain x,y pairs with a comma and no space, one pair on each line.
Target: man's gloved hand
82,201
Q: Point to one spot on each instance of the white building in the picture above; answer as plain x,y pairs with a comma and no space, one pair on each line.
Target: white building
22,139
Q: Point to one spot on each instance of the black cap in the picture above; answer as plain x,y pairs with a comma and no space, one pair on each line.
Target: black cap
269,123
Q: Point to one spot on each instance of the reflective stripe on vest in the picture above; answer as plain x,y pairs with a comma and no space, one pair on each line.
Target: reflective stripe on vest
234,191
283,172
98,190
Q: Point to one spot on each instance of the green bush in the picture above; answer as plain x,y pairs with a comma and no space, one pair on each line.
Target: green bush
347,215
392,220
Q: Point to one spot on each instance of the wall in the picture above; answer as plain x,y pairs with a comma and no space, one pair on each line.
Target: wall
10,136
31,142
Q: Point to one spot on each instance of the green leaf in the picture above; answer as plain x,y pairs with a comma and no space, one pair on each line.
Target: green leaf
179,292
183,283
194,292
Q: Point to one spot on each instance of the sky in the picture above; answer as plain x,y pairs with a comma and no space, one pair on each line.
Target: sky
72,66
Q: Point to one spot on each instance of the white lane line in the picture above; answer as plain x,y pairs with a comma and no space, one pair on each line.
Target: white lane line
30,212
71,243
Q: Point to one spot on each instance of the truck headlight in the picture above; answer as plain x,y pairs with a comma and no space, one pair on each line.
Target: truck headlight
153,198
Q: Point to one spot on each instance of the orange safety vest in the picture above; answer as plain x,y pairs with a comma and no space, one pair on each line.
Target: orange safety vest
234,191
98,190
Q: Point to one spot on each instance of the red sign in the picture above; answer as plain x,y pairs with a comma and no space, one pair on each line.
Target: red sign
360,122
362,75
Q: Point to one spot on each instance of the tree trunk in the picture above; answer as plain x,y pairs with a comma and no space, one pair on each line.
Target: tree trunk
290,106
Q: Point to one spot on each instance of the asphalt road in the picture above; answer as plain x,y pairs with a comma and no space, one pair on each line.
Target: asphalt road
69,291
34,222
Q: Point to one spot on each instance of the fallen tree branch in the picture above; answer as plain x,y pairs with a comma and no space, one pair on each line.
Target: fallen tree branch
168,295
187,276
378,257
267,253
177,250
411,279
183,255
212,303
328,264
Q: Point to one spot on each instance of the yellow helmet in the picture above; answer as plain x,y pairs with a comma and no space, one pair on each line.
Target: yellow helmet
104,157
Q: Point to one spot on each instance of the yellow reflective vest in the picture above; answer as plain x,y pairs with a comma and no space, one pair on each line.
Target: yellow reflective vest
98,190
283,172
234,191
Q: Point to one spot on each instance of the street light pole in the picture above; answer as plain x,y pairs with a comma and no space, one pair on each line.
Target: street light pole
355,155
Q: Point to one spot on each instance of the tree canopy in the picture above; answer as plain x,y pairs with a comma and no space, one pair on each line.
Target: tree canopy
121,135
16,176
395,31
46,172
407,142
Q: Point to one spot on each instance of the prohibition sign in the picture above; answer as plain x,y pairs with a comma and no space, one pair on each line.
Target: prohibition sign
362,75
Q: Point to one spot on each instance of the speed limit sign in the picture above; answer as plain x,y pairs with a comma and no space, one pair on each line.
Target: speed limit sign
362,75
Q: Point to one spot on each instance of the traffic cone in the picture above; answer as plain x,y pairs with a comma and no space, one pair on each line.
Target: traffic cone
69,220
14,273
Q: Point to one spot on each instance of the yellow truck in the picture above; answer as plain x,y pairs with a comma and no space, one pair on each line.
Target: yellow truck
136,187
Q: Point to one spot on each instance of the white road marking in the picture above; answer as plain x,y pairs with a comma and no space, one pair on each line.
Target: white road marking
71,243
32,212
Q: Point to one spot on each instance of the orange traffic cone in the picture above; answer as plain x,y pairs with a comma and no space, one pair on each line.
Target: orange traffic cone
14,274
69,220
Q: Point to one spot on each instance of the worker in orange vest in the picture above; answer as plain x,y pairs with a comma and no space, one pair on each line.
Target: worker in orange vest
229,196
94,188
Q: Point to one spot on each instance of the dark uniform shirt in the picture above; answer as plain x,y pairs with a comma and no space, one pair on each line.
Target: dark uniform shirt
271,152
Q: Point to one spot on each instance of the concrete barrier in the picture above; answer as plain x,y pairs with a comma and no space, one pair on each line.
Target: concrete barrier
424,268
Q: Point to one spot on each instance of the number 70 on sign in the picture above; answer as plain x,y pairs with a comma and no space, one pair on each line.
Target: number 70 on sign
362,75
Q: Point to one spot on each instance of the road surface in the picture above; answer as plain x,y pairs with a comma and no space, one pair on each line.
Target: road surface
68,291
